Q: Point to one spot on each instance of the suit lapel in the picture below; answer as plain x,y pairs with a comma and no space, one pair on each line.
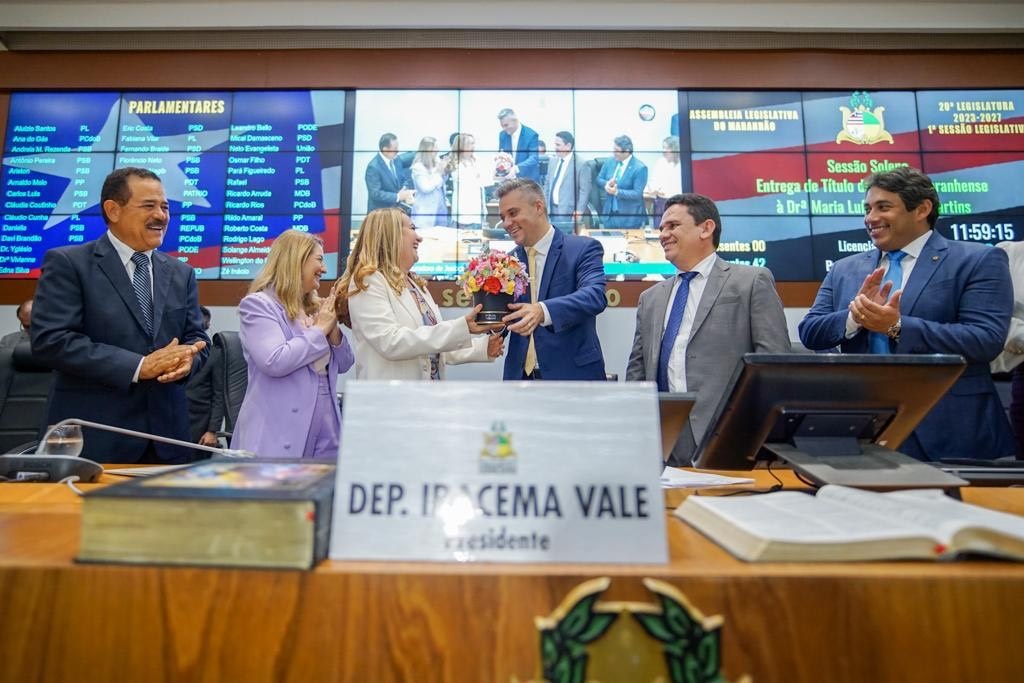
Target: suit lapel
390,182
716,281
628,171
161,283
405,299
550,263
567,190
110,264
656,323
866,263
928,262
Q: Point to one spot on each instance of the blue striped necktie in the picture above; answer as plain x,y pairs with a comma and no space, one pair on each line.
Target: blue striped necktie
878,342
675,321
143,287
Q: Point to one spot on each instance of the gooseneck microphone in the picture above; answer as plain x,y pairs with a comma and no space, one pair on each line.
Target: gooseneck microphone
49,467
226,452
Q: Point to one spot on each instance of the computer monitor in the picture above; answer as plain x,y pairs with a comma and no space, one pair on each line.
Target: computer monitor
836,418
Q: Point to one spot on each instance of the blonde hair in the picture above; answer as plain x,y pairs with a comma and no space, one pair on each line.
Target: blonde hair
427,153
377,250
459,151
282,272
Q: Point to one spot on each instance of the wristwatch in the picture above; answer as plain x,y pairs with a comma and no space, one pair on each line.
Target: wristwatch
894,330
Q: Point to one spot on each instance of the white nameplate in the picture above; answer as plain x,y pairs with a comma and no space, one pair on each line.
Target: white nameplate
500,472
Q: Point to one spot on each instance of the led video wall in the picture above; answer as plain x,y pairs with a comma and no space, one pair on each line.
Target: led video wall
786,168
238,169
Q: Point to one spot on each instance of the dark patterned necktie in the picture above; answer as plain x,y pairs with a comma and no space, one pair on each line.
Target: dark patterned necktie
675,321
142,284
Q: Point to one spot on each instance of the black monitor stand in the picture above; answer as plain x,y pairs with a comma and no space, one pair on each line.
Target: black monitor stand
825,448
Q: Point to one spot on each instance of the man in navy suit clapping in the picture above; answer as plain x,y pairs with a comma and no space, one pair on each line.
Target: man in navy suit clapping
119,322
387,179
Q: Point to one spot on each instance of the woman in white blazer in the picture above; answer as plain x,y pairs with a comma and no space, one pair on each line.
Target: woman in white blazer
398,330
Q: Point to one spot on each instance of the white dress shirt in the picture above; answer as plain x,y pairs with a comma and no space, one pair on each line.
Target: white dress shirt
542,247
392,169
125,253
677,359
912,251
561,171
666,177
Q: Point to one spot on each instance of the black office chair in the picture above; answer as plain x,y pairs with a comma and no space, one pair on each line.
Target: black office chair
234,376
24,390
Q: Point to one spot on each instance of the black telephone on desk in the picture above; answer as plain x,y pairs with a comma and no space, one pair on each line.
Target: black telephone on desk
48,468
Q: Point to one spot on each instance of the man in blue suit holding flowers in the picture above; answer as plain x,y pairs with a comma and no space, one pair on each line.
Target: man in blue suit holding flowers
554,325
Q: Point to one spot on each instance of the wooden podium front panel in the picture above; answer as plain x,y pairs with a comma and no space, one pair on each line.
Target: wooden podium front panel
439,622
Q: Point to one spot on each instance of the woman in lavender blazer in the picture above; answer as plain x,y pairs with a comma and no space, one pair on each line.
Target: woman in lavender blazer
295,350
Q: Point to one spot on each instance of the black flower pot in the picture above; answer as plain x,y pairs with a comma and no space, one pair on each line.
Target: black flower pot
495,306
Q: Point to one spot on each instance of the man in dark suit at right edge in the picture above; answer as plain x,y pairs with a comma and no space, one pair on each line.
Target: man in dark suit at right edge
918,292
386,177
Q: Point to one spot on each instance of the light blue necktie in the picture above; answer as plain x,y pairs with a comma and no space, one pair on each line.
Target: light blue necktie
143,288
618,174
394,171
675,321
878,342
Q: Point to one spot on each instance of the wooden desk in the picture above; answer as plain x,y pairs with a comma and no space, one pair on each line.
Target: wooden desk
909,621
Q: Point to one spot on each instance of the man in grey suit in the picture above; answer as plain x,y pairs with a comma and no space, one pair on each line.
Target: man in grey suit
568,185
692,330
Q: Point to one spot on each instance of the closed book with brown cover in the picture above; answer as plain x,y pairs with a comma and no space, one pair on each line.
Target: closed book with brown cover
239,513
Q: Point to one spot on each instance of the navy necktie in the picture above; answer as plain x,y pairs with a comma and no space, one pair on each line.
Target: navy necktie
675,321
878,342
141,283
394,172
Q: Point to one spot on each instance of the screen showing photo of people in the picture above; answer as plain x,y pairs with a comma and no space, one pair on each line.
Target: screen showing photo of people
785,168
451,149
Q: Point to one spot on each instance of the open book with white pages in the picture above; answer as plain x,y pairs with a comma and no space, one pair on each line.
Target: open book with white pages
846,524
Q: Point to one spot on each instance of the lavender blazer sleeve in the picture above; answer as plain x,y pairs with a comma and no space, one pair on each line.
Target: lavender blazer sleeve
278,407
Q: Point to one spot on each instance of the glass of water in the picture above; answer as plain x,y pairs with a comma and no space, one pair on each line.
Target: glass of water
62,440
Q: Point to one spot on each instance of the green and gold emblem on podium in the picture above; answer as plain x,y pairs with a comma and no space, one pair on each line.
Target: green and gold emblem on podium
586,639
497,456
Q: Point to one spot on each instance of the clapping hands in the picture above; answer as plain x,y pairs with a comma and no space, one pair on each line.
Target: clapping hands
170,363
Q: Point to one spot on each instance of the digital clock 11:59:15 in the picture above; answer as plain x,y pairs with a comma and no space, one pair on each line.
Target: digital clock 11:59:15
983,232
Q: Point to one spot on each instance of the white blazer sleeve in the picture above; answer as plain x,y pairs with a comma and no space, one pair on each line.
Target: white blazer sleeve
375,314
477,353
